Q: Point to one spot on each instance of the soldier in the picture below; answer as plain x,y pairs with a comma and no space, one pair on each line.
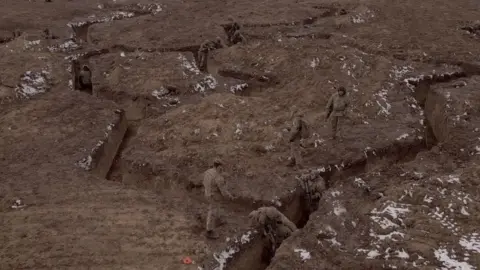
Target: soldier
85,80
299,131
234,35
214,183
336,108
205,47
273,224
312,185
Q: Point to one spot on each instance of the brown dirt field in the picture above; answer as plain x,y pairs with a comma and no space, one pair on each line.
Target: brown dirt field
402,179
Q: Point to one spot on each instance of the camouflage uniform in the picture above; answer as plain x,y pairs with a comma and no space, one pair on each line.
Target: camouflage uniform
205,47
215,185
298,132
85,80
313,186
336,107
276,226
236,37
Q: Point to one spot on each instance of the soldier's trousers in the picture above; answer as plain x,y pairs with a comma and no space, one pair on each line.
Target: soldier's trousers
295,151
334,120
211,216
202,60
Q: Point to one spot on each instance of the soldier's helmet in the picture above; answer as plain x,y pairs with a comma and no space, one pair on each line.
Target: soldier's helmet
218,40
217,162
341,88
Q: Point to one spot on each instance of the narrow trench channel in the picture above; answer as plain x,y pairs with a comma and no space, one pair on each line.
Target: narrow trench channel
256,256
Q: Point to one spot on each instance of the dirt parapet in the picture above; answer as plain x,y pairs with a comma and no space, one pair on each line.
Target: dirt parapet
102,155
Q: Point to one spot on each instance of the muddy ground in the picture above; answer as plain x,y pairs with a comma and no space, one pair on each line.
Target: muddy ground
113,180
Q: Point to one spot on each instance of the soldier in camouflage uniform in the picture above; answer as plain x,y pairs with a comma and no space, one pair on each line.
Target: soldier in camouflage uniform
215,187
273,224
205,47
299,131
85,80
313,185
234,35
336,109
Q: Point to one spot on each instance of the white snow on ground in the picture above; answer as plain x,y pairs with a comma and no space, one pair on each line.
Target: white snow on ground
450,262
31,84
223,256
160,92
396,73
85,163
372,254
315,62
31,44
67,46
238,88
393,209
471,242
207,83
446,221
116,15
403,136
304,255
187,65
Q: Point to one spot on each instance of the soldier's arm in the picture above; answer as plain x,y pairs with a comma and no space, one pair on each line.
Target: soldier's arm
288,223
295,129
222,186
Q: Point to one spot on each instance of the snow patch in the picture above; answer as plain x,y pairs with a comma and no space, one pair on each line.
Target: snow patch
238,88
187,65
32,83
116,15
315,62
67,46
31,44
403,136
304,255
449,261
207,83
471,242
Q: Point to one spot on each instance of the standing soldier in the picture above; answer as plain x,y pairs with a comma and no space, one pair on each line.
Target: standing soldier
214,183
85,80
299,131
205,47
273,224
336,108
312,185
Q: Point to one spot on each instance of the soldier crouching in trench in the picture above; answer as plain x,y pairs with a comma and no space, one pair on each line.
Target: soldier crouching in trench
273,225
215,185
312,185
205,47
82,78
233,31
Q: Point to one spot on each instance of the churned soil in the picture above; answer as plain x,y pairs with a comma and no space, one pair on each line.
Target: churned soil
402,178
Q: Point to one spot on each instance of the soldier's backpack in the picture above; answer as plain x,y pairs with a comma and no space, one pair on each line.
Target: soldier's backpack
305,130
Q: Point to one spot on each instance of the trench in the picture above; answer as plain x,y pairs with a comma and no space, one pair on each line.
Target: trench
256,256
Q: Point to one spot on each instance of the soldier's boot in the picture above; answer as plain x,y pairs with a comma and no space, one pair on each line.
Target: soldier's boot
211,234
